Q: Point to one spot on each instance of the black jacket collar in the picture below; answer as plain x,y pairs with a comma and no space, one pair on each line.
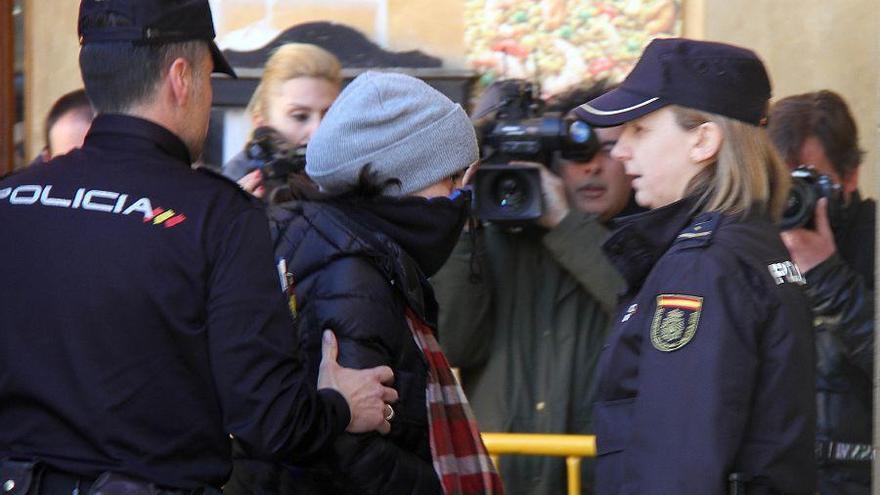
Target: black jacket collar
641,239
125,132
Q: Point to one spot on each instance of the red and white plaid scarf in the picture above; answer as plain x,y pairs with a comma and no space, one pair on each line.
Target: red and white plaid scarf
460,458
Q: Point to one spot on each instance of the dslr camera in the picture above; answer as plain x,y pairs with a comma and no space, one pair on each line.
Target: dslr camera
807,187
271,153
521,130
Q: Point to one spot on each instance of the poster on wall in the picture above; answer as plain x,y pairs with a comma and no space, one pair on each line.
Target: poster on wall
563,43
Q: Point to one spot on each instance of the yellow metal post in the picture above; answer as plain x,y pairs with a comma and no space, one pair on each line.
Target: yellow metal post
572,447
574,475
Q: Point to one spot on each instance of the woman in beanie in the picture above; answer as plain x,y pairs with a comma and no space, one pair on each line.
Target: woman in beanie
299,83
356,258
706,383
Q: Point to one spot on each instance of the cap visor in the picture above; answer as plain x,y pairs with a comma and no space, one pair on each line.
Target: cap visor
616,107
221,65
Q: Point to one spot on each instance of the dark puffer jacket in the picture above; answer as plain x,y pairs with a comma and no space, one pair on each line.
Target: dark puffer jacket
357,281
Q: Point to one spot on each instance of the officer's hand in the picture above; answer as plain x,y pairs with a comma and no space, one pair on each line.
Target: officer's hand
362,389
253,183
808,247
553,192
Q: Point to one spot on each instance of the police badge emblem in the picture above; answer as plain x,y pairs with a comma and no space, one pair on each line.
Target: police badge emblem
675,321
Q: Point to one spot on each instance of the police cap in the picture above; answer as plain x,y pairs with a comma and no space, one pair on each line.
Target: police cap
714,77
151,22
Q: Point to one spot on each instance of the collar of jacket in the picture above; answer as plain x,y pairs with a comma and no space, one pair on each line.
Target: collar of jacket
641,239
347,237
125,132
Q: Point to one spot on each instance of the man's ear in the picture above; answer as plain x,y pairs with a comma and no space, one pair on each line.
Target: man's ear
706,142
180,81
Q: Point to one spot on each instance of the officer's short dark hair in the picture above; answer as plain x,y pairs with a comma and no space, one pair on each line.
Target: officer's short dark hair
119,75
823,114
74,102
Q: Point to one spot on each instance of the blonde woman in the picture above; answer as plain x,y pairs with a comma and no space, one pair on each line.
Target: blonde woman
300,82
708,373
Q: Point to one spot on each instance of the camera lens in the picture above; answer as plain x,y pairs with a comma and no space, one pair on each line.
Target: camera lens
509,192
800,205
579,132
794,204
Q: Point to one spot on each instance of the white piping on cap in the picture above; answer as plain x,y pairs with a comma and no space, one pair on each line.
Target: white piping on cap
596,111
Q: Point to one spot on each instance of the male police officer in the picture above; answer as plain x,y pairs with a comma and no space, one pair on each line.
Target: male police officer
142,320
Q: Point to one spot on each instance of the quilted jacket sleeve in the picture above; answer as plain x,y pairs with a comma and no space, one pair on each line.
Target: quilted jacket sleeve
352,298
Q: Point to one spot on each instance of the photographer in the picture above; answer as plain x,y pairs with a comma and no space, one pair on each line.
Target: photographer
526,333
837,259
299,83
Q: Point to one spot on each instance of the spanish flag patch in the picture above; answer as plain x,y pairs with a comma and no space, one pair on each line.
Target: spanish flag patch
675,321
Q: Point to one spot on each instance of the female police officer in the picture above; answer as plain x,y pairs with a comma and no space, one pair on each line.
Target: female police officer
709,371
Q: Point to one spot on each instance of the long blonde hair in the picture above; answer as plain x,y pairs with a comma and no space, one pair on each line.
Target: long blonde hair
290,61
747,173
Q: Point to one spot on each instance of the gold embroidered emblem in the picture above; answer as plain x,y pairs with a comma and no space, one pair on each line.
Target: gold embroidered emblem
291,301
675,321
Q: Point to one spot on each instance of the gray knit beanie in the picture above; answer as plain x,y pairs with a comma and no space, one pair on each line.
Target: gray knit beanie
406,129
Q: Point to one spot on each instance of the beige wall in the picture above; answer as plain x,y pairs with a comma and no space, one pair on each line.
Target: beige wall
809,45
51,62
435,27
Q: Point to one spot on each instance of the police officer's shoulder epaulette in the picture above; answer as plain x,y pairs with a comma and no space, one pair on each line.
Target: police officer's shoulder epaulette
209,172
700,231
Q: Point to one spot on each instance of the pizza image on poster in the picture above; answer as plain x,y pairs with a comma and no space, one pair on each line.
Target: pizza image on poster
563,43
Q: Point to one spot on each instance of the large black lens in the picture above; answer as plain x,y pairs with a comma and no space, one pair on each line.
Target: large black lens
800,205
509,192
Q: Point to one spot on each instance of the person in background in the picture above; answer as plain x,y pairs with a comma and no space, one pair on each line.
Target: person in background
66,124
817,130
707,378
526,335
299,83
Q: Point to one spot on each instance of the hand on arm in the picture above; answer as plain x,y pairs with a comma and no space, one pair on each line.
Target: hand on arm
366,391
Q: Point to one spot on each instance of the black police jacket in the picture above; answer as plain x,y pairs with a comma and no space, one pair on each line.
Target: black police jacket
352,278
840,290
142,321
709,369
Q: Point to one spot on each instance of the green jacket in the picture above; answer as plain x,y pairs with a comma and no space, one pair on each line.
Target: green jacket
527,337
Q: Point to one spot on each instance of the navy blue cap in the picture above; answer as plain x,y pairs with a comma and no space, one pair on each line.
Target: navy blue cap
713,77
151,21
